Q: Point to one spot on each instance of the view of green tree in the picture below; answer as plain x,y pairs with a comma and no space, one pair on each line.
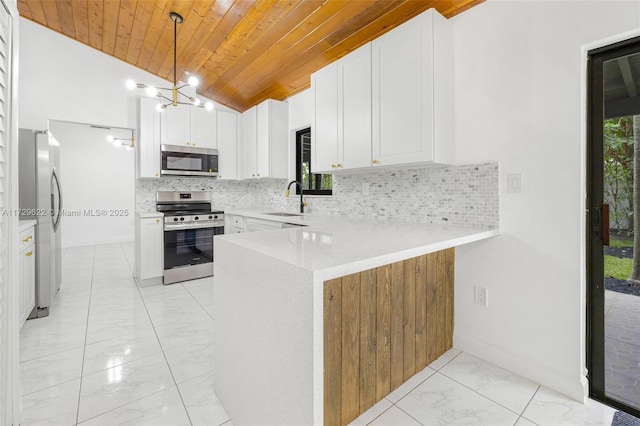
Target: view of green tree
618,171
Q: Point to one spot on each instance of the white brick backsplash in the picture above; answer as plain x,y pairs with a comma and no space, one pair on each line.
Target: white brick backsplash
464,195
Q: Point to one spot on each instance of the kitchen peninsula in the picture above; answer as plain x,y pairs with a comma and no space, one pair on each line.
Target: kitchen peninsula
314,324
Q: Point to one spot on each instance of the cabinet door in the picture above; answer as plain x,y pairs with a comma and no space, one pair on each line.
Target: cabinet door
324,131
151,248
263,161
148,146
27,281
227,143
175,125
402,70
278,140
203,128
354,110
249,143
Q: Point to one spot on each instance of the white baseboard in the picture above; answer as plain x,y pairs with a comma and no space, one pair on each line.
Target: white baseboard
572,386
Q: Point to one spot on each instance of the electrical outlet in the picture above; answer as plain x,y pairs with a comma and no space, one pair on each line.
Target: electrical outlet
481,296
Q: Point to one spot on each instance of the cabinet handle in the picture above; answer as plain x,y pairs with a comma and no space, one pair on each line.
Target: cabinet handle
193,144
219,176
339,165
374,161
26,240
29,254
258,174
237,221
157,220
156,174
188,143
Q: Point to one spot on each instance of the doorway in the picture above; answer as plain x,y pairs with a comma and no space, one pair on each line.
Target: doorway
613,225
97,170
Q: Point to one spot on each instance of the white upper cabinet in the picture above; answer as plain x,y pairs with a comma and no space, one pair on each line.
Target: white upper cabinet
354,109
227,129
324,131
187,125
248,147
341,134
204,128
265,141
412,89
148,146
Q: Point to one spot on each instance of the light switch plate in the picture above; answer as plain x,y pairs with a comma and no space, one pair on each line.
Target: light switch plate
514,183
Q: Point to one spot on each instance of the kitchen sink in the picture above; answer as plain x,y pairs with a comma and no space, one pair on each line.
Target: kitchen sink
284,214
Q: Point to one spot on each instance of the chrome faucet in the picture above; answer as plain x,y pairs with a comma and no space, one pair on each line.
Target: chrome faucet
300,187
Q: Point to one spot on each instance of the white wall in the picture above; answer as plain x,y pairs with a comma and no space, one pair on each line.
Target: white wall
62,79
518,100
95,175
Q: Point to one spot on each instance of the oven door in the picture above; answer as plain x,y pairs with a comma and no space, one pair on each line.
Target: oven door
188,247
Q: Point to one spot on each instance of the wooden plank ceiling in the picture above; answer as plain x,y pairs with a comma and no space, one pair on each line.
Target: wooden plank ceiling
243,51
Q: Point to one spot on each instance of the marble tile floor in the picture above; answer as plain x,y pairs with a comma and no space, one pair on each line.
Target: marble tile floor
111,353
622,347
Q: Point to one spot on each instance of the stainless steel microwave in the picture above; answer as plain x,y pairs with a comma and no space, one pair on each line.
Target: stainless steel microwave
180,160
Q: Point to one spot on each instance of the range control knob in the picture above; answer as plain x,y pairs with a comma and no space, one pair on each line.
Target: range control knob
181,219
175,219
196,218
215,217
211,217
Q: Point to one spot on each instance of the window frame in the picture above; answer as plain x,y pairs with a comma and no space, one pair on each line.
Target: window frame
317,176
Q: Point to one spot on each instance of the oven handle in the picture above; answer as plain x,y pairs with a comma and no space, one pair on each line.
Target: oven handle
180,227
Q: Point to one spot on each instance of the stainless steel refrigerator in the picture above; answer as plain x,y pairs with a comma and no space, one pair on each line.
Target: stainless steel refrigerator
40,197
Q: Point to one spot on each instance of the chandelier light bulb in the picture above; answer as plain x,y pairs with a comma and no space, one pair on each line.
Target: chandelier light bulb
160,107
151,91
130,84
196,101
110,138
208,106
193,81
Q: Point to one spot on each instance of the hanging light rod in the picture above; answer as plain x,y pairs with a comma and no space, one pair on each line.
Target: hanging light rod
175,99
116,141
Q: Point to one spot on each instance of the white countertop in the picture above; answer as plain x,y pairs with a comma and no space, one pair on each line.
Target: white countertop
23,225
146,215
334,246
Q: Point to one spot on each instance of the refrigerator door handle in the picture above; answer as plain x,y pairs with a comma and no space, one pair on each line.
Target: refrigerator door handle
56,220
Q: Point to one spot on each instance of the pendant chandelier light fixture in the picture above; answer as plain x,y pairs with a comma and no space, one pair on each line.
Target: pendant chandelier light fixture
177,97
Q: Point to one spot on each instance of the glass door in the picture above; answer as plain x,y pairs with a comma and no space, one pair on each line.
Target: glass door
613,242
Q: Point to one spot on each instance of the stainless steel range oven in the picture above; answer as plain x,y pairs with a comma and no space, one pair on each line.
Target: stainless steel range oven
189,227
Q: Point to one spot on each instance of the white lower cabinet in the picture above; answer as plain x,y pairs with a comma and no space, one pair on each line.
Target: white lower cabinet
233,224
149,247
27,278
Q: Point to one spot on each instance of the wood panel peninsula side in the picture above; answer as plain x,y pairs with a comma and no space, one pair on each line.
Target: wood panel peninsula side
382,326
314,325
